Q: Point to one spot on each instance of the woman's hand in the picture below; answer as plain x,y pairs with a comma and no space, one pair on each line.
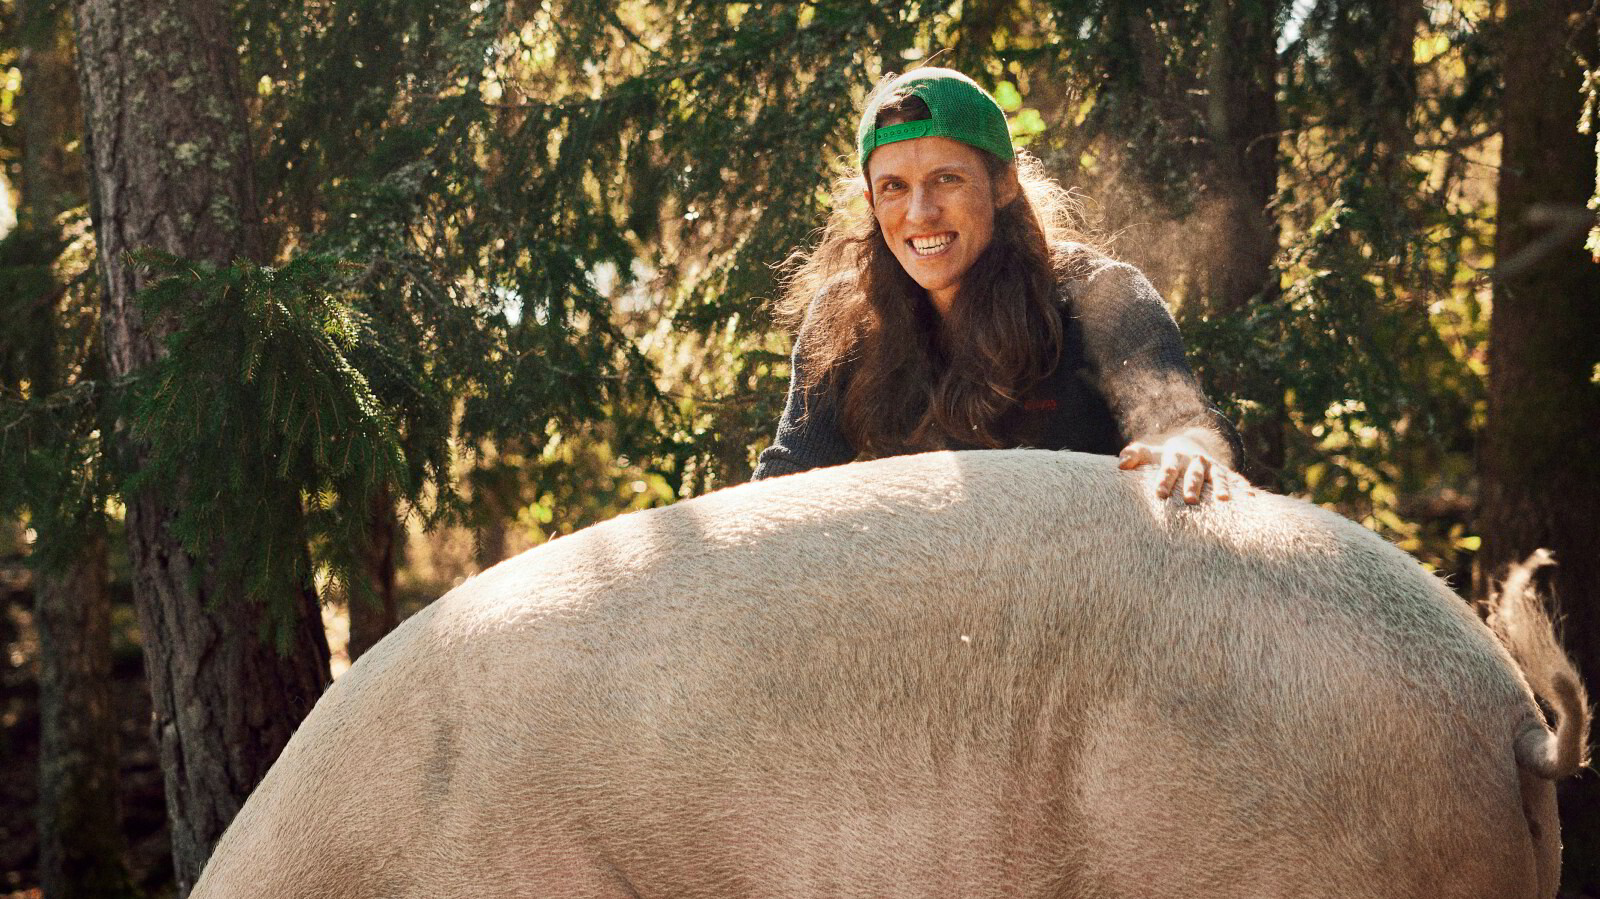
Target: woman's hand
1181,456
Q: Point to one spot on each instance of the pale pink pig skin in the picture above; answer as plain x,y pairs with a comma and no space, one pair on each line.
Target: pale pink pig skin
1002,673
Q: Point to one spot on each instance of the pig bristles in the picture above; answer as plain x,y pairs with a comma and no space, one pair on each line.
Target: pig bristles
1518,618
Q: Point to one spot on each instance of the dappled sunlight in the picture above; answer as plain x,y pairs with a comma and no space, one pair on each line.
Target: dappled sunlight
485,310
640,558
336,625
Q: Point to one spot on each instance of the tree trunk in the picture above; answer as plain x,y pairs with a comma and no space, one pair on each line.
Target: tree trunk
1396,97
373,617
1242,125
489,538
50,115
1539,454
171,169
80,822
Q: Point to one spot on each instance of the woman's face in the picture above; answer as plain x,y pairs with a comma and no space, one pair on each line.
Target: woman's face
935,204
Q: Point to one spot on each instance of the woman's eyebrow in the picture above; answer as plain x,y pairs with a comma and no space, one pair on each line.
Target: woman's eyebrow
958,167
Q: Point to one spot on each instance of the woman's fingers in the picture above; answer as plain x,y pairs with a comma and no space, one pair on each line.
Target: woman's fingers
1134,455
1187,471
1172,468
1195,479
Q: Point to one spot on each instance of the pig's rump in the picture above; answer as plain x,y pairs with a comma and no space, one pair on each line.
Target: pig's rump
988,673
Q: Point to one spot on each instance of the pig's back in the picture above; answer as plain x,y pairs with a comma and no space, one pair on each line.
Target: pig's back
993,672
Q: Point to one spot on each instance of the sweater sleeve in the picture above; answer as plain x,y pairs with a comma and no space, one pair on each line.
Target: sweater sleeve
1136,357
808,432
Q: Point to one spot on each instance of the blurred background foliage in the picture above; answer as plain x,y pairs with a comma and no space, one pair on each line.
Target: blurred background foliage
543,237
517,258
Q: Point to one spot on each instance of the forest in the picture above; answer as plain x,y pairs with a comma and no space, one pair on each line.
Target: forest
310,311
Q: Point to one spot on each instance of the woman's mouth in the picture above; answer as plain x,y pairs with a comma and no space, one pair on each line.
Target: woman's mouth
932,245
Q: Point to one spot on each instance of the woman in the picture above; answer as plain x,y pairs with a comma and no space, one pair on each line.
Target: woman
947,312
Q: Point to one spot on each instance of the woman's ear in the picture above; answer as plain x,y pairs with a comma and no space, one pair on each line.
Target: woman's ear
1006,187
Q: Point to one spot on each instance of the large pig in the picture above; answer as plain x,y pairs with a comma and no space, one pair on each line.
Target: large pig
1003,673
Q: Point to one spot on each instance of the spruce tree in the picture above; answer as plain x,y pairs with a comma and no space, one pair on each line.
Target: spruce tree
171,169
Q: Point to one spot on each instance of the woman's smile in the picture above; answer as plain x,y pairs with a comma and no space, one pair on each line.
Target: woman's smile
932,246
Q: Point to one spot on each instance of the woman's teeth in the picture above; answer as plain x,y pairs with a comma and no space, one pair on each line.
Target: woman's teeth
928,246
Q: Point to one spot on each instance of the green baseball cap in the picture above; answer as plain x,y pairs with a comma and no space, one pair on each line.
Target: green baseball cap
961,111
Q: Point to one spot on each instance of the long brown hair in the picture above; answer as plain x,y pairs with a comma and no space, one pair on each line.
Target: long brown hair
906,381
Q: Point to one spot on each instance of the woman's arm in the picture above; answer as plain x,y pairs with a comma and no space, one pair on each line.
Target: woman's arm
1136,353
808,432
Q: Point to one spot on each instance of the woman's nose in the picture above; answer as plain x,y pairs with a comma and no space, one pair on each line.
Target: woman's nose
924,206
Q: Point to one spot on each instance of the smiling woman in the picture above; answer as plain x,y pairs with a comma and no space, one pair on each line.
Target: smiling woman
935,204
948,306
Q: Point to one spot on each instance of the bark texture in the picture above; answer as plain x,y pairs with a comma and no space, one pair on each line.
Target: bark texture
170,164
79,820
1242,122
52,174
373,617
1540,453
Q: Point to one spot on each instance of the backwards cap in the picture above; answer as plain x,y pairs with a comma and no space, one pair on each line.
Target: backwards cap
961,111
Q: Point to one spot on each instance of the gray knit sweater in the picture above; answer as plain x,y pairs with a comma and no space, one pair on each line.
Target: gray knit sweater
1122,376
